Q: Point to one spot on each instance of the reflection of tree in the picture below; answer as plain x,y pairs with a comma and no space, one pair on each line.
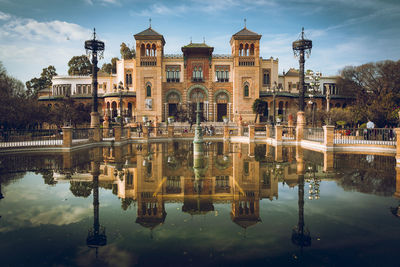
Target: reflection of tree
48,177
126,203
259,152
358,174
80,188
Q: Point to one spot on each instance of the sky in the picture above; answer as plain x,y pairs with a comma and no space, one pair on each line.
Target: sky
37,33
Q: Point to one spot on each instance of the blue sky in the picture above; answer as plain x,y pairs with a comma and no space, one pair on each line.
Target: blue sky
36,34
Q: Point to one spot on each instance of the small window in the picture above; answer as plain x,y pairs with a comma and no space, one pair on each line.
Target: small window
148,91
246,90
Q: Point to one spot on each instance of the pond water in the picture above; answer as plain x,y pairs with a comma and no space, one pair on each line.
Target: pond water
162,204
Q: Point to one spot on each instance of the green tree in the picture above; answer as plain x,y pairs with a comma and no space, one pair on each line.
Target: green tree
44,81
126,52
376,89
110,68
79,65
258,107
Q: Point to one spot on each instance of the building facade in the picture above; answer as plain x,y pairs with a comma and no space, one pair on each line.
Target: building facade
155,86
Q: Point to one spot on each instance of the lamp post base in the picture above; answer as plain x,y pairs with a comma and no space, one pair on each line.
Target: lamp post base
94,120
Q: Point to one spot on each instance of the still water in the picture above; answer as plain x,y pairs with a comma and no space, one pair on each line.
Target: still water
235,204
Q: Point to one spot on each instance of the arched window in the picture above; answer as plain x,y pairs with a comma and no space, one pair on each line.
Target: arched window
252,50
194,72
200,73
142,50
246,50
153,47
246,90
148,91
241,50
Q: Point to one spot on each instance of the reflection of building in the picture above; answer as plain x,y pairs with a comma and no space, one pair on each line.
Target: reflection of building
156,84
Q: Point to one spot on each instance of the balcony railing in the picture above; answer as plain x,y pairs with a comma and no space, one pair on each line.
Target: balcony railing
314,134
198,80
173,80
148,61
377,136
246,61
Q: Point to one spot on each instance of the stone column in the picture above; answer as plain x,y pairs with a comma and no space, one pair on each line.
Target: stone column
329,132
328,161
97,134
67,136
251,132
117,133
106,125
301,123
145,132
170,131
279,153
226,132
397,130
278,133
252,147
397,193
266,131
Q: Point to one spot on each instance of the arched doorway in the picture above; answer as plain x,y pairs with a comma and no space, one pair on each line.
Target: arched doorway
221,100
129,109
114,109
173,99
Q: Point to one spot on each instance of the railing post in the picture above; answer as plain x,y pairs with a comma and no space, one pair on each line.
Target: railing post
146,132
117,133
397,130
170,131
67,136
251,132
106,127
329,135
97,134
301,123
240,129
226,132
278,133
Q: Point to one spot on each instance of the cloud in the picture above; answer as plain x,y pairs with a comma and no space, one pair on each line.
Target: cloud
33,30
162,10
4,16
37,44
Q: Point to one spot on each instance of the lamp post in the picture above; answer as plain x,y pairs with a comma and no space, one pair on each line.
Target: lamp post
300,48
94,48
313,90
120,88
273,103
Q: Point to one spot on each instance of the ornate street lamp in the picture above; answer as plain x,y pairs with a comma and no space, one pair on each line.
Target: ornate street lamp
120,88
301,47
313,89
94,48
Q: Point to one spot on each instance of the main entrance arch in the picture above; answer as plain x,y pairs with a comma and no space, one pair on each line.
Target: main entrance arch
172,99
198,93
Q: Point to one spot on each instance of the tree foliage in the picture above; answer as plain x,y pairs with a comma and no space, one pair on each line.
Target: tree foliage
376,88
110,68
259,107
44,81
126,52
79,65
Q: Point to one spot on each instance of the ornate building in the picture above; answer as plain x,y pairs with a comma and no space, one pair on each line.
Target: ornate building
155,85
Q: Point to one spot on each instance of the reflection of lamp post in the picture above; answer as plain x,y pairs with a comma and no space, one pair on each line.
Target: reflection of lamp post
94,47
314,183
97,235
120,88
300,236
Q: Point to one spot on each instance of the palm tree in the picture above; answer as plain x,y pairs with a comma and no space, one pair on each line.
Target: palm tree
258,107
